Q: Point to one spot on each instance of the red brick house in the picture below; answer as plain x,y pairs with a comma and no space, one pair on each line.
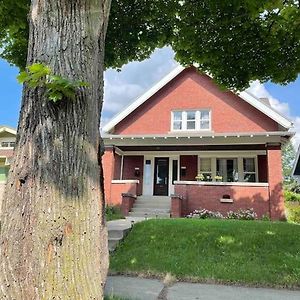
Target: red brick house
187,144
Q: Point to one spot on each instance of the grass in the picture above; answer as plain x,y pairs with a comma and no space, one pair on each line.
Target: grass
113,213
227,251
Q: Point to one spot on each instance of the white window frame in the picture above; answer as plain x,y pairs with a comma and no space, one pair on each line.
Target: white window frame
238,156
255,170
197,120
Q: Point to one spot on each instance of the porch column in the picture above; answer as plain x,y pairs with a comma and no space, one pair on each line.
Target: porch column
275,179
108,162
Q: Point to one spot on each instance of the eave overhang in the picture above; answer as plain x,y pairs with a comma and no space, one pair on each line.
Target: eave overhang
170,139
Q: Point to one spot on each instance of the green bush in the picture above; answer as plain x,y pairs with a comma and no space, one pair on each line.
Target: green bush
113,213
291,196
293,212
293,186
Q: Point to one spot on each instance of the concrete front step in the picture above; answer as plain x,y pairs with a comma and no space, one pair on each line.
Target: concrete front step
152,205
150,210
112,244
156,199
116,232
149,215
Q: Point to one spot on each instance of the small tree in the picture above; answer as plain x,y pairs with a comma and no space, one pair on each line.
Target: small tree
288,159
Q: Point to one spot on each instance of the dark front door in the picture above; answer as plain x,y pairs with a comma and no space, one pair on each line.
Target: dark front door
161,176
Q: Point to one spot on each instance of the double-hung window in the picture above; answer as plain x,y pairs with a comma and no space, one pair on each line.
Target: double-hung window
205,169
249,169
187,120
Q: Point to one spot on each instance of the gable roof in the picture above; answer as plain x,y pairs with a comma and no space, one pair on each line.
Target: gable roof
4,128
246,96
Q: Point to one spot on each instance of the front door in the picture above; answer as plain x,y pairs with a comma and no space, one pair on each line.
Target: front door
161,176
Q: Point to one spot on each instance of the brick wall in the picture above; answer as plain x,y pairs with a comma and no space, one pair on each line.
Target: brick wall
130,163
118,189
190,90
208,197
275,183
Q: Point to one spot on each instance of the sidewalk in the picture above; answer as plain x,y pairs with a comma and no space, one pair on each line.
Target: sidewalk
132,288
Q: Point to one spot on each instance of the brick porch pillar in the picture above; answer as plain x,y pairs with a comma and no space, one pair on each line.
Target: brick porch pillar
176,206
108,163
275,179
127,203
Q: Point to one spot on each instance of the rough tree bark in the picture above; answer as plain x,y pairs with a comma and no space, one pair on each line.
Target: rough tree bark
53,235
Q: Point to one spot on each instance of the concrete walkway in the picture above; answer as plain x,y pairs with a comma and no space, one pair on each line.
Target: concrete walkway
151,289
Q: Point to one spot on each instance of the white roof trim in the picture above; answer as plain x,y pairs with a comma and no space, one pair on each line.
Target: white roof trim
252,100
267,110
122,115
8,129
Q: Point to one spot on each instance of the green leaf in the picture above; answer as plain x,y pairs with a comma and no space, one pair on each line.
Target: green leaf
22,77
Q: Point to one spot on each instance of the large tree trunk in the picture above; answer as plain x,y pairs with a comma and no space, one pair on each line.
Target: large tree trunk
53,235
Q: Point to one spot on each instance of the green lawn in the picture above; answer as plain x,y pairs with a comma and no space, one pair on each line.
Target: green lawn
244,252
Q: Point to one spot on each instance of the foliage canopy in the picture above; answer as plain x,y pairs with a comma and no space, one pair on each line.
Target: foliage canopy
235,41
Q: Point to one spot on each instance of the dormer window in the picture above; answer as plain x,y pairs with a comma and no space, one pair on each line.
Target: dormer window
187,120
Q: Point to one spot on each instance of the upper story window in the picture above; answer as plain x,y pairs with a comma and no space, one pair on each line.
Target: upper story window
7,144
191,120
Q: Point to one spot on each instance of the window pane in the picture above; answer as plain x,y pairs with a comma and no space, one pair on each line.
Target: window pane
205,165
227,169
191,125
191,115
249,177
249,165
5,144
204,124
204,115
177,125
177,115
12,144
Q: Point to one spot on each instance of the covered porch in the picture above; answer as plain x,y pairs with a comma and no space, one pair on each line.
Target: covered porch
217,177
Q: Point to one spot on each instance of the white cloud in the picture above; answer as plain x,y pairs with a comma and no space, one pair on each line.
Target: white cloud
259,90
122,88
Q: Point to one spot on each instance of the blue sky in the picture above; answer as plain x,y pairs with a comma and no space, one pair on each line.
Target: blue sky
123,87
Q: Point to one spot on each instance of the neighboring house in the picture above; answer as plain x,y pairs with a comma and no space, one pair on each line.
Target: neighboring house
7,144
187,128
296,168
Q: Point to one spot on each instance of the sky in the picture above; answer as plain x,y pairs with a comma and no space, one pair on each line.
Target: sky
123,87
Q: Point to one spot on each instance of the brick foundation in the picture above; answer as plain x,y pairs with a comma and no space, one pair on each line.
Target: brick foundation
209,197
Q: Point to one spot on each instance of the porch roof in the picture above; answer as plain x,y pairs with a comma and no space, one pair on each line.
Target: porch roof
198,138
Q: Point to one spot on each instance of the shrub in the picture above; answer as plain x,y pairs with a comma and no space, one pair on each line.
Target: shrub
205,214
113,213
293,186
291,196
293,212
247,214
